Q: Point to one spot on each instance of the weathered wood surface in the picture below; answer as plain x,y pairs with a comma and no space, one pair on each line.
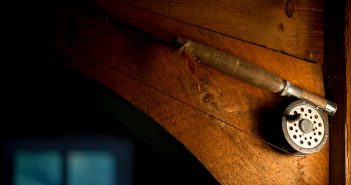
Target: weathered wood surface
266,23
214,116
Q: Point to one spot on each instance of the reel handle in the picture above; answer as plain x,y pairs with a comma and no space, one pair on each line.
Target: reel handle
251,73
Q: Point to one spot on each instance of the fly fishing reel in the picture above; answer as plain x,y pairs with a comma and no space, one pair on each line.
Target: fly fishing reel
305,127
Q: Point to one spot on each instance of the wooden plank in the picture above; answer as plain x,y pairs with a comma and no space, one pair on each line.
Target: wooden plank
335,67
265,23
160,82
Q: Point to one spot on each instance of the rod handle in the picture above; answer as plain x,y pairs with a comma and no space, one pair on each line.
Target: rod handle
233,66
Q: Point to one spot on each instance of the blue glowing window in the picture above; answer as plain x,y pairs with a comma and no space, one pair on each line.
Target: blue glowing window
38,168
71,161
91,168
83,168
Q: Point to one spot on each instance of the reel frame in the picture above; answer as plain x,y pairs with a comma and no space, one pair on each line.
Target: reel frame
305,127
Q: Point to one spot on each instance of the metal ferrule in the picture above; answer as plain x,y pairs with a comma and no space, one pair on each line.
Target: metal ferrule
291,90
330,108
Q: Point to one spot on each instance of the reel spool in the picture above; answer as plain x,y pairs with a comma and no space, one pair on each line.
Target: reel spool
305,127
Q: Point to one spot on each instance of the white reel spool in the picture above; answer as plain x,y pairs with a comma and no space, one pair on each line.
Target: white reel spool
305,127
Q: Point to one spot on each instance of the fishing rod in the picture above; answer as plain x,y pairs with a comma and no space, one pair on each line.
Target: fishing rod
304,122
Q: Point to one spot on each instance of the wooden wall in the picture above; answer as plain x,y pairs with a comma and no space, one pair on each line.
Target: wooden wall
222,121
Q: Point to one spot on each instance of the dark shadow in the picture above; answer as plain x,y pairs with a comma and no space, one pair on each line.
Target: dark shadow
45,101
81,108
270,126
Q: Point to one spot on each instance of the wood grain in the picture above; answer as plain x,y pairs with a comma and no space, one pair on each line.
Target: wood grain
214,116
264,23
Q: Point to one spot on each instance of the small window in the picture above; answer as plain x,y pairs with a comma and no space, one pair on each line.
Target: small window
73,162
38,168
91,168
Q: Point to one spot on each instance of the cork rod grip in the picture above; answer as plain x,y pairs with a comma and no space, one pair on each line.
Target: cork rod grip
233,66
319,101
328,106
